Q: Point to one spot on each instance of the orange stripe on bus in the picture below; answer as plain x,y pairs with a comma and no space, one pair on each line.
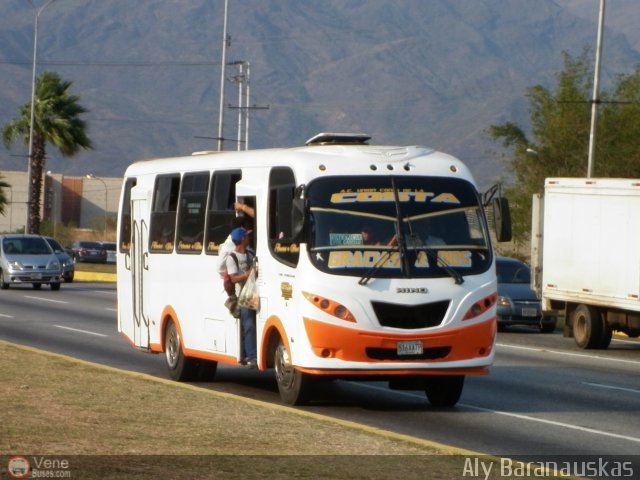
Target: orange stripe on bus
348,344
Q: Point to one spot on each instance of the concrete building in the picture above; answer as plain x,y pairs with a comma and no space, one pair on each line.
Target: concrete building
85,202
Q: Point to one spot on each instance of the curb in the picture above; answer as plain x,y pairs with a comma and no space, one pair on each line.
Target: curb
94,277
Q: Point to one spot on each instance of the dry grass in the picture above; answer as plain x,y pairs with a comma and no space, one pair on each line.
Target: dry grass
99,417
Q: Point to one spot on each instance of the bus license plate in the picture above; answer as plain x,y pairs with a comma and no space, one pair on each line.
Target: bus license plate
410,348
529,312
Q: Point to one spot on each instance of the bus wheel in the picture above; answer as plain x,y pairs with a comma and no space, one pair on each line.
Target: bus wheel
292,385
587,327
445,390
181,368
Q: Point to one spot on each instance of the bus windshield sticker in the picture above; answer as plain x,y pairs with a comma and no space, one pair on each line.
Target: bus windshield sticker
345,239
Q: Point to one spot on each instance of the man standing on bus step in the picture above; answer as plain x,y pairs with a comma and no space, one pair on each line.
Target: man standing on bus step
238,273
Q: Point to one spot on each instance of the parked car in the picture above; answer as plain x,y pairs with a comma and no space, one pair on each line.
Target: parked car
110,247
517,302
28,259
87,251
66,261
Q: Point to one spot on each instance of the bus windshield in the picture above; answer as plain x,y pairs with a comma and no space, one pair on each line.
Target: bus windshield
397,227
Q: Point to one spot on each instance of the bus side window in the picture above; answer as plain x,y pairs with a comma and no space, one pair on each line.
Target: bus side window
125,223
191,214
220,212
282,186
163,215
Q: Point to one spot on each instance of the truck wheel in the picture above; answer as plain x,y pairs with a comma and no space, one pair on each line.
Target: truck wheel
292,384
587,327
445,390
607,333
181,368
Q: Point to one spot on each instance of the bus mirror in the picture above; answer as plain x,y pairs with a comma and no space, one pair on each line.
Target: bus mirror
297,218
502,219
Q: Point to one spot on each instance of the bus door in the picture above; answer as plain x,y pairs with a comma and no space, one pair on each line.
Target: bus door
139,267
246,194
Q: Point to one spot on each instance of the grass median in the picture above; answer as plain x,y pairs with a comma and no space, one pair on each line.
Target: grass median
102,418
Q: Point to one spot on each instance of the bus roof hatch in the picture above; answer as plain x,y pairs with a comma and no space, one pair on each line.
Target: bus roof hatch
339,139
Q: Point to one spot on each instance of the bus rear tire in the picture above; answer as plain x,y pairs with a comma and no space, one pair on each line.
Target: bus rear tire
445,390
293,385
181,368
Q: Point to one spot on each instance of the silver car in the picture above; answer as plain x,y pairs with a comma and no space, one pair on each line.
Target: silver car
28,259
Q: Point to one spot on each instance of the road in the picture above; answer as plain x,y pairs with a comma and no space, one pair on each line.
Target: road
544,396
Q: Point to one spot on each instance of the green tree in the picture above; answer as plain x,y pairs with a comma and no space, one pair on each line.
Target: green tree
560,127
3,196
56,121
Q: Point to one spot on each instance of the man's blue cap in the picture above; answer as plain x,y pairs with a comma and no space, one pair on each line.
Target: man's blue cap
237,234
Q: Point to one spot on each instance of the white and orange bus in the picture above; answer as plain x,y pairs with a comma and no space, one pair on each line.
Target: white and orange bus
375,262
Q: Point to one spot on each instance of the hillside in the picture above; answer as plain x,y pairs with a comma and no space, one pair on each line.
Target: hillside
435,72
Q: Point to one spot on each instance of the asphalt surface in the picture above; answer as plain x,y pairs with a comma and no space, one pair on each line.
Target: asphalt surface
544,396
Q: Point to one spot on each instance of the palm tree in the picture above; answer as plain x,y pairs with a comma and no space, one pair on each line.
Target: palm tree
57,121
3,197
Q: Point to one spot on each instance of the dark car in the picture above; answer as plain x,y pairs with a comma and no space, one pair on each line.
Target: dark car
110,247
518,304
87,251
66,260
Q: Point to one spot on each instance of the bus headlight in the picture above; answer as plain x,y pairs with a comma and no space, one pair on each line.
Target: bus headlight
481,306
330,307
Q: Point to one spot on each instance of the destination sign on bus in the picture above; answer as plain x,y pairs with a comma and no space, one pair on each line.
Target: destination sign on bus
388,195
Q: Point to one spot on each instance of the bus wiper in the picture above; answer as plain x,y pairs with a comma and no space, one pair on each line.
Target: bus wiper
374,269
402,246
439,261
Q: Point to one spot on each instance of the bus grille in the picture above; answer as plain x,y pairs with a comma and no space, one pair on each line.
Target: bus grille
410,316
391,354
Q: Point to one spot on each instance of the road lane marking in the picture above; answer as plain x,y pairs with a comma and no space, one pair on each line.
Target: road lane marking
108,309
81,331
552,422
516,415
611,387
5,316
569,354
45,299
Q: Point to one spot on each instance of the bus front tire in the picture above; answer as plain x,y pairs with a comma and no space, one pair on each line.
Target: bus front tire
181,368
445,390
292,384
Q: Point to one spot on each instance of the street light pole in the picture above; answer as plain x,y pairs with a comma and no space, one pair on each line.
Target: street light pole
225,41
31,121
595,100
93,177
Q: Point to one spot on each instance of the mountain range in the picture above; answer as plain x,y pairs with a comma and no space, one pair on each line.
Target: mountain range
427,72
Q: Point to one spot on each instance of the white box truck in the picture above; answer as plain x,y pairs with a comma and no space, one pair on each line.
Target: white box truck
585,256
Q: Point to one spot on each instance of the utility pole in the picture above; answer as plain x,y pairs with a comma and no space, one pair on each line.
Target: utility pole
243,101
